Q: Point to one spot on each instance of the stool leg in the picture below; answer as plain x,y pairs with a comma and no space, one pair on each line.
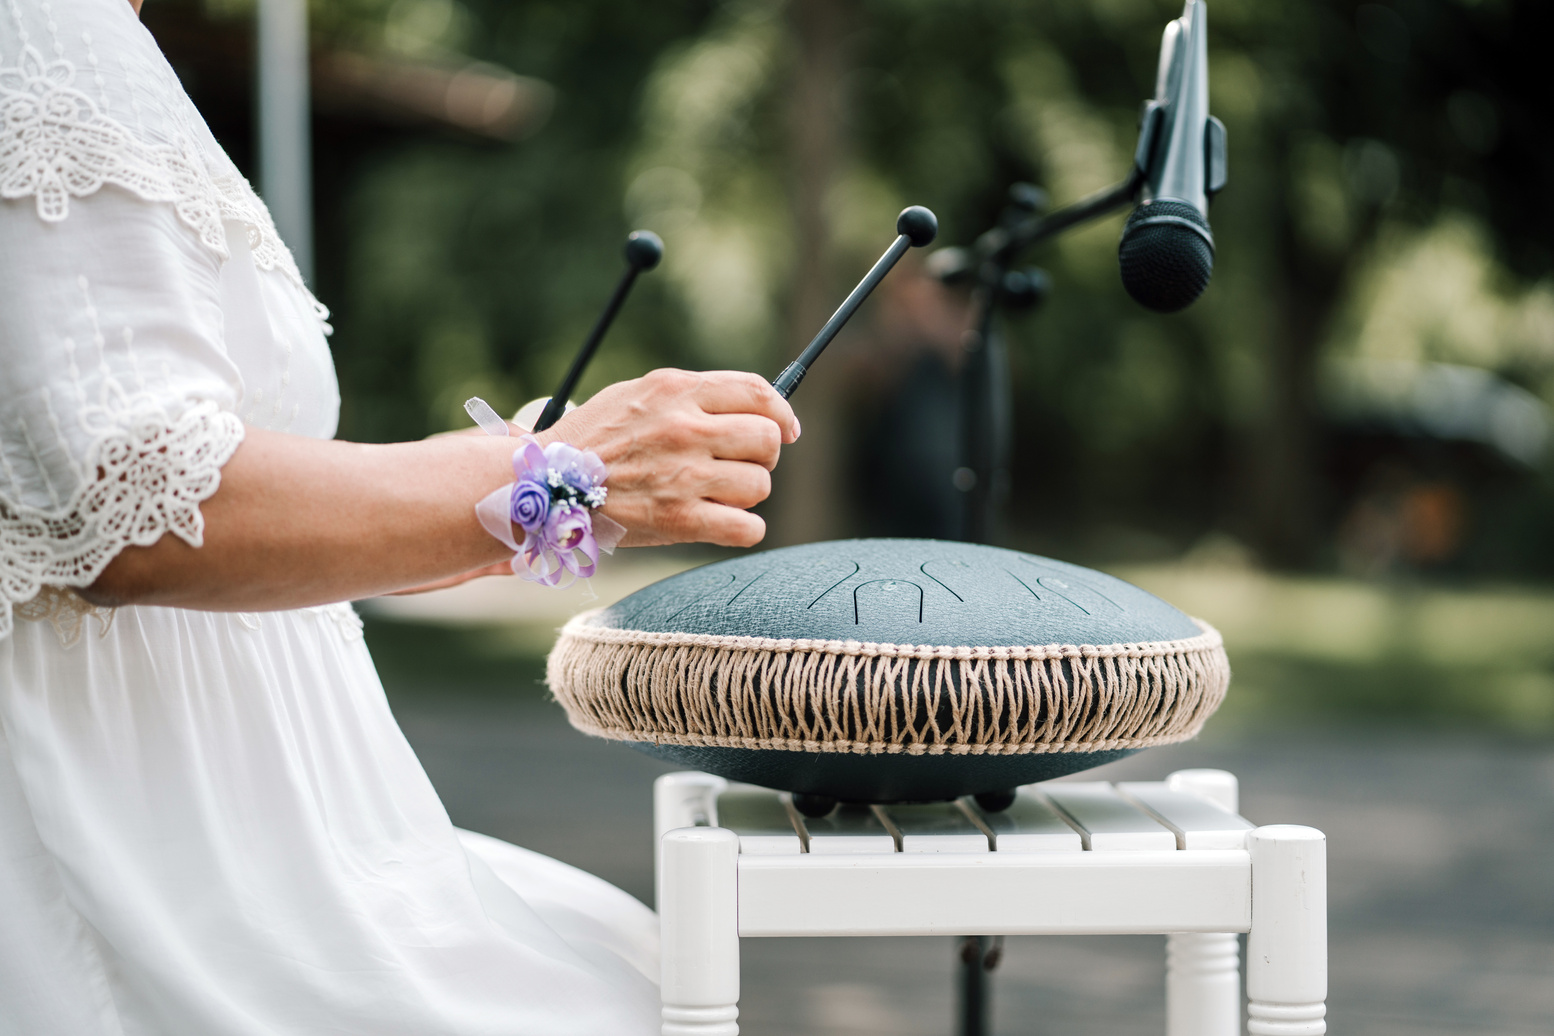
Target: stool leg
699,923
1203,984
684,799
1203,971
1286,973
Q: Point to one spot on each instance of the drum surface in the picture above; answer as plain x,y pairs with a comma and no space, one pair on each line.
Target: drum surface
889,670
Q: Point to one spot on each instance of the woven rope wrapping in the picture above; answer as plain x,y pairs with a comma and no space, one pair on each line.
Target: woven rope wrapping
847,696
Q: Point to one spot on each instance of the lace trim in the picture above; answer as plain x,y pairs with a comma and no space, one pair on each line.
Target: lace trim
153,472
57,144
67,612
341,614
344,618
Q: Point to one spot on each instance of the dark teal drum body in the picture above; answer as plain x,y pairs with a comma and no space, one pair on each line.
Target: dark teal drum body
890,670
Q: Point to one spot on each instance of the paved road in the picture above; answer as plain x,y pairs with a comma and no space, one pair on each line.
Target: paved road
1441,871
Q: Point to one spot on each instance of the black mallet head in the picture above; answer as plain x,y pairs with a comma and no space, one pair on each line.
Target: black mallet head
918,224
644,249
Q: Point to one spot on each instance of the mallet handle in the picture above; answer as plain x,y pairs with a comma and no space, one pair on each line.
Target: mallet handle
558,400
789,379
915,227
643,251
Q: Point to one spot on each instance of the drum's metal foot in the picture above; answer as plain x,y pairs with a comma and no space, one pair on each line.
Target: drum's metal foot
996,801
813,806
979,954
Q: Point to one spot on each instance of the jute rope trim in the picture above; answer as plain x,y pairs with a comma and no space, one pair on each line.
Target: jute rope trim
870,698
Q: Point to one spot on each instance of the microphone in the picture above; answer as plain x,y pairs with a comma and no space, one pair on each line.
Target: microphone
643,251
915,227
1167,249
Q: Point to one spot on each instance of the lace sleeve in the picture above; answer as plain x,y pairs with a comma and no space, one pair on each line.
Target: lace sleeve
118,212
116,393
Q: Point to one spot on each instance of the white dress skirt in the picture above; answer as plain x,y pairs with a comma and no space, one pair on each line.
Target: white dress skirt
210,823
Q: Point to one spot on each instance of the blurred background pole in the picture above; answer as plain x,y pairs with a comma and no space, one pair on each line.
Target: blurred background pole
285,129
811,501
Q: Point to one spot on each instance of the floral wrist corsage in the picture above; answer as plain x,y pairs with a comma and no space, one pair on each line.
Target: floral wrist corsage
554,498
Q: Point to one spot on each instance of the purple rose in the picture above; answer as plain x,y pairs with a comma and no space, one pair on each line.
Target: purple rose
531,505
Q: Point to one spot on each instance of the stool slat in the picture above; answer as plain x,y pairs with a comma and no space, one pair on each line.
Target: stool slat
934,827
848,829
1167,858
1107,821
763,821
1196,822
1031,825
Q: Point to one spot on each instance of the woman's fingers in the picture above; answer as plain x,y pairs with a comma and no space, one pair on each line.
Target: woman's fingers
673,505
704,521
725,526
735,483
687,453
739,392
744,437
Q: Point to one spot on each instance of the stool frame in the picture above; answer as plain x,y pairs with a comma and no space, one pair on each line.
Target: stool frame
1269,882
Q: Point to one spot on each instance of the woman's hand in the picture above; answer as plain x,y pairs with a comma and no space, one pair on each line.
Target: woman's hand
688,453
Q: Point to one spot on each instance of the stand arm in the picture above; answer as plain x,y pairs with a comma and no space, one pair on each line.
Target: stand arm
1003,246
984,404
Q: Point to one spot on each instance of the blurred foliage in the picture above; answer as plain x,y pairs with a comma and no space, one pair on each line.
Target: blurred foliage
1389,164
476,269
1304,647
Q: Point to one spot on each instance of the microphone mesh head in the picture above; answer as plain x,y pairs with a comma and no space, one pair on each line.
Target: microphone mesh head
1166,254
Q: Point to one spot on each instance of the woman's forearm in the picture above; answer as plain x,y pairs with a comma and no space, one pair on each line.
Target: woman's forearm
300,521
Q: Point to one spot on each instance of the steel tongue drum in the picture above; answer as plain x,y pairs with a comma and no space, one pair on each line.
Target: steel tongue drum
890,670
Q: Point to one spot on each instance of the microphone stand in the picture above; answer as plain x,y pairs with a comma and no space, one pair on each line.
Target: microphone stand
986,403
986,412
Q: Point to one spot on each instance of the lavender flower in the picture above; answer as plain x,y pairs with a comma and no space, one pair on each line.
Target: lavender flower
555,486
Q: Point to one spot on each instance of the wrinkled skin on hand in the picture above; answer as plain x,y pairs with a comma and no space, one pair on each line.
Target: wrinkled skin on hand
688,453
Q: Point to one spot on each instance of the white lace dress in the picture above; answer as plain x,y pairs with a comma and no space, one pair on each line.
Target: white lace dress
210,824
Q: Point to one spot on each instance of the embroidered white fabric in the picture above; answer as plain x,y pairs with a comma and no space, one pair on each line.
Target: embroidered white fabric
210,824
121,400
59,143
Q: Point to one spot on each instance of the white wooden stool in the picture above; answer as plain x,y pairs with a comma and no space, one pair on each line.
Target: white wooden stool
1067,858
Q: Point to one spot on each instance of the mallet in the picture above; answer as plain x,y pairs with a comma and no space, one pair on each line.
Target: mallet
643,251
917,227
